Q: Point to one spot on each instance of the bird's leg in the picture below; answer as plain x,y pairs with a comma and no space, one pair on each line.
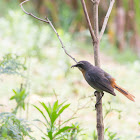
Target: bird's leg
99,99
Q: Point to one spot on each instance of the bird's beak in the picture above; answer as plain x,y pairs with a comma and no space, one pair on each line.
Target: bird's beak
74,66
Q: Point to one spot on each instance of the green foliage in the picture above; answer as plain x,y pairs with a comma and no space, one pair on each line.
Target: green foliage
12,64
4,7
19,35
12,128
127,56
95,137
110,135
61,130
107,134
66,13
72,133
19,97
23,36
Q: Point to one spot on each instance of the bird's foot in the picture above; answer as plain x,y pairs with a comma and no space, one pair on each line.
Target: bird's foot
95,93
98,102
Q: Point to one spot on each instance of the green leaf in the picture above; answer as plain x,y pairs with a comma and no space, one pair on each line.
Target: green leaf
50,135
55,106
13,97
63,130
54,116
113,136
60,105
22,93
63,108
47,109
41,113
43,138
4,132
106,129
23,105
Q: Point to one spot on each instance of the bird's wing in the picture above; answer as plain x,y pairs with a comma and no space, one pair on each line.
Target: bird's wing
100,81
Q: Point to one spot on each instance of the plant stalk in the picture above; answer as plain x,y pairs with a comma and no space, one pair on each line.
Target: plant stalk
99,110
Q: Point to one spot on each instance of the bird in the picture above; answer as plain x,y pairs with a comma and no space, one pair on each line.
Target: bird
100,80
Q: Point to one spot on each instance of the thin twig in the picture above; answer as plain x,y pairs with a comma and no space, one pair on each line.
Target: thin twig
63,47
30,13
88,21
106,18
96,30
46,20
80,108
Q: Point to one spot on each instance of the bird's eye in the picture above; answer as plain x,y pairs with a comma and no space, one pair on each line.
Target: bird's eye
80,65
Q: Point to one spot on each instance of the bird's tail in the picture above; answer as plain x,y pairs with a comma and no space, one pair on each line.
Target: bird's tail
121,90
124,92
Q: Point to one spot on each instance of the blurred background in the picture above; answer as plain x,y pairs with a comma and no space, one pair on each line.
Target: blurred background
31,58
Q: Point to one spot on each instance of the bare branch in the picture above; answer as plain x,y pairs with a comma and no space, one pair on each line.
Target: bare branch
96,30
63,47
88,21
31,13
99,110
46,20
106,18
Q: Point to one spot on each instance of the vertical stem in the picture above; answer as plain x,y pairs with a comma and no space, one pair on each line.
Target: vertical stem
96,30
99,118
99,111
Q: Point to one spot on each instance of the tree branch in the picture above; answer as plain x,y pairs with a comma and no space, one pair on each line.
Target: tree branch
88,21
31,13
106,18
96,44
96,29
46,20
99,110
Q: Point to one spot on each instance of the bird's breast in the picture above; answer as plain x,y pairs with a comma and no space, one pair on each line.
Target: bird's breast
90,81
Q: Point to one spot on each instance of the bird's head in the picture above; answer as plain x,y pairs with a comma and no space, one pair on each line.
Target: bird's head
82,65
